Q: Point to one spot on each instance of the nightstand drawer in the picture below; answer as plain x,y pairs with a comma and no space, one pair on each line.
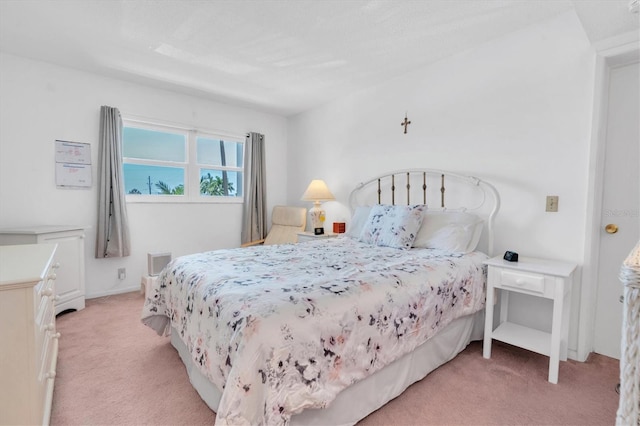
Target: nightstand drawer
522,281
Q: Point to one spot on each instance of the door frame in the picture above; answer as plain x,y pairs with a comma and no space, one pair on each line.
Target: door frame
621,50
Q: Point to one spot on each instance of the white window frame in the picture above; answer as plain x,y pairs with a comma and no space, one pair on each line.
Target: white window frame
190,165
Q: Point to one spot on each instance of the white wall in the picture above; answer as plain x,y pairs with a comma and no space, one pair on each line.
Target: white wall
40,103
515,112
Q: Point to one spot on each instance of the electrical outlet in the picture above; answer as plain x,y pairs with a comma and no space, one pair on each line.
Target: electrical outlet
552,203
122,273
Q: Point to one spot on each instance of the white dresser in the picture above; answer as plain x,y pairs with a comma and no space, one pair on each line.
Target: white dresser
70,255
29,350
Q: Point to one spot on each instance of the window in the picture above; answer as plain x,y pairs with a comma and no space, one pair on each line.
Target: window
220,166
154,161
163,163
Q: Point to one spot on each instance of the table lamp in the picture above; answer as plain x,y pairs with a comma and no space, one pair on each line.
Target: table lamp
317,191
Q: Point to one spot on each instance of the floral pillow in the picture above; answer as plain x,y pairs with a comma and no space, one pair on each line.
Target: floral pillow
392,226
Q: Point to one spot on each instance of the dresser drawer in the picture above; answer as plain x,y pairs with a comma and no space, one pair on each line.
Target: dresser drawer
44,376
530,282
45,290
44,313
46,327
44,298
45,321
46,370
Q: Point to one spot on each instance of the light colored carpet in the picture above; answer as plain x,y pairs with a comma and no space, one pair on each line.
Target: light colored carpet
114,370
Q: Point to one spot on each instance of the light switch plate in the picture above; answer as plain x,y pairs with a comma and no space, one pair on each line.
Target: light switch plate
552,203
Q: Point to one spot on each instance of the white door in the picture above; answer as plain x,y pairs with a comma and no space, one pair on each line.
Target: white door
620,204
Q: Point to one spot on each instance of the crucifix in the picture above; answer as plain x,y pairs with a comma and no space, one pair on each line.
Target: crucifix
405,123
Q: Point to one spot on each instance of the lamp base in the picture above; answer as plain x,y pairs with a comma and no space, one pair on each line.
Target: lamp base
317,218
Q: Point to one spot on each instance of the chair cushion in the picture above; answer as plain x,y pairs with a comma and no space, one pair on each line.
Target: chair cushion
286,222
289,216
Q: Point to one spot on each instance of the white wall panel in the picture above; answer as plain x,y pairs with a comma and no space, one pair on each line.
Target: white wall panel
40,103
515,112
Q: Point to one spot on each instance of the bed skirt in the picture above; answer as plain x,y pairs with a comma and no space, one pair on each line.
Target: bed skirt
361,399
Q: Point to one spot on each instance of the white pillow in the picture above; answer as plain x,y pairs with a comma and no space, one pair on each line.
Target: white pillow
393,226
358,220
457,232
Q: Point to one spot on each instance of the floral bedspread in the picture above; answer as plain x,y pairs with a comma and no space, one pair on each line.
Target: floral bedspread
282,328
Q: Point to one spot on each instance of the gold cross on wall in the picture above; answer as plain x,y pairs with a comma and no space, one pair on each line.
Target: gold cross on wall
405,123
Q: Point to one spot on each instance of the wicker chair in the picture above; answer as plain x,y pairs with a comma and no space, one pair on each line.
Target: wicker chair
629,406
286,222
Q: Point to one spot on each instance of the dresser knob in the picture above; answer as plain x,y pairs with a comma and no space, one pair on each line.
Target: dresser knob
52,276
51,375
50,326
56,265
56,336
55,298
46,292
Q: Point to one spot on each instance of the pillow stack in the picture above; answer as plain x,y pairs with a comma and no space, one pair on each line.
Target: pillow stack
405,227
457,232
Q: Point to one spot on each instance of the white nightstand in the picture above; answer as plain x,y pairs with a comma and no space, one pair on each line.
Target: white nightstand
310,236
537,277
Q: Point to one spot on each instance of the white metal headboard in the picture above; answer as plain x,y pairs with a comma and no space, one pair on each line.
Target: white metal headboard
438,189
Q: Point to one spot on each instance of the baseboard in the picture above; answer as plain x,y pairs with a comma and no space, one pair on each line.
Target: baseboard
573,354
112,292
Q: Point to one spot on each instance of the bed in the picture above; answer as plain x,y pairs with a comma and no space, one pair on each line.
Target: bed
328,331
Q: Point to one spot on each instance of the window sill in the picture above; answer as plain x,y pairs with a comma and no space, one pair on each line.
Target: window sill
174,199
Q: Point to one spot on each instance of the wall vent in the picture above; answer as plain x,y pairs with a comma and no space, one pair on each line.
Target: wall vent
156,262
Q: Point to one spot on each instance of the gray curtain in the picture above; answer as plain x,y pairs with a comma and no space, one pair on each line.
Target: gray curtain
112,239
254,211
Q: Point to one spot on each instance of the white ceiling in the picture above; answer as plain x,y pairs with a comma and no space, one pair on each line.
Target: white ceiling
280,56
